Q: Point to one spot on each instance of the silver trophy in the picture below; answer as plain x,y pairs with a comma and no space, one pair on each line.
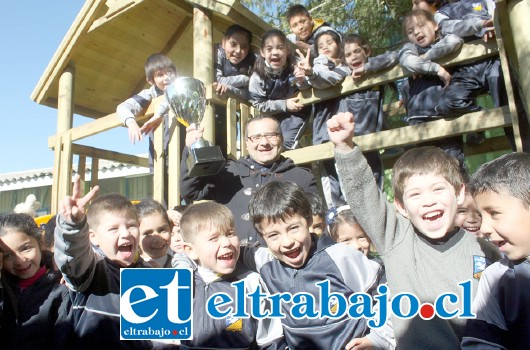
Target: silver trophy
187,99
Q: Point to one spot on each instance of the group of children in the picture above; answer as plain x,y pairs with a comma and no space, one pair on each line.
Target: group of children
423,252
271,79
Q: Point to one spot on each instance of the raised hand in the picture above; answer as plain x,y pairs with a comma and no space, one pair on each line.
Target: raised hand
340,130
73,208
304,62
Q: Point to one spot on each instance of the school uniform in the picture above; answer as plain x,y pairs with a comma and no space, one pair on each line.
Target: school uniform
269,96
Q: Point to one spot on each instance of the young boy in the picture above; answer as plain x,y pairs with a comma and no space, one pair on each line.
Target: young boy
160,71
318,226
467,215
211,241
282,215
304,28
111,224
234,63
501,191
423,253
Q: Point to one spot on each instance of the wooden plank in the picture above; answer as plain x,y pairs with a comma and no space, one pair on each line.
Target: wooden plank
56,174
173,166
470,52
231,129
94,172
61,57
244,118
478,121
81,170
88,151
102,124
65,180
159,166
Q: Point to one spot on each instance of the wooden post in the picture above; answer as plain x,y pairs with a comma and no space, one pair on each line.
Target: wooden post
173,166
159,164
203,62
519,12
63,162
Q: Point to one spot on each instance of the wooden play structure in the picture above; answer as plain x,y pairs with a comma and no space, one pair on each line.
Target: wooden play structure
100,63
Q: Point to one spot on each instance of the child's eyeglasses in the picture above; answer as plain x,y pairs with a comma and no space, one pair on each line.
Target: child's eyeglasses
271,137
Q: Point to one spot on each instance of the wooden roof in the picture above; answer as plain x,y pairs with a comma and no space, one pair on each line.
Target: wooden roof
110,40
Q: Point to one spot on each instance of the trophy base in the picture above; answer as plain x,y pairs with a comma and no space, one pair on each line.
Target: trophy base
205,161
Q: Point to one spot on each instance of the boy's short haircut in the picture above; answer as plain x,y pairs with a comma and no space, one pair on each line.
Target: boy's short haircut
262,117
419,14
156,62
150,206
509,173
317,204
296,10
422,161
205,215
236,28
278,201
109,203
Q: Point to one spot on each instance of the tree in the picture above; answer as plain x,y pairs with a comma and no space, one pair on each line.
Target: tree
377,20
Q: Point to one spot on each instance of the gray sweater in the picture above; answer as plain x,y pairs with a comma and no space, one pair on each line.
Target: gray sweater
413,265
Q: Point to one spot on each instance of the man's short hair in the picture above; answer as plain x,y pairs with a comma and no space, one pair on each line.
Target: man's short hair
109,203
156,62
263,117
423,161
509,173
205,215
278,201
296,10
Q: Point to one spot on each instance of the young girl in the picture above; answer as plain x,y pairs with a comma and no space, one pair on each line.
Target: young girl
155,233
35,304
429,79
273,85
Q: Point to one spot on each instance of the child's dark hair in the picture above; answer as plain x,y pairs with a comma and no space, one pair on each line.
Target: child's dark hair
437,3
336,37
180,208
49,229
150,206
341,214
236,28
317,204
109,203
156,62
260,66
279,201
296,10
419,14
509,173
21,223
356,39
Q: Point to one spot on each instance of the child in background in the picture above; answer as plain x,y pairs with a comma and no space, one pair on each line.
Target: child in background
234,63
304,28
155,233
272,87
429,79
282,215
468,217
111,224
318,226
210,240
34,305
430,6
174,215
160,71
423,252
501,189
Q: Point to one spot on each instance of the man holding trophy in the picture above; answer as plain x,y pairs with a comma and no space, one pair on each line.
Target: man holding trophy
236,180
